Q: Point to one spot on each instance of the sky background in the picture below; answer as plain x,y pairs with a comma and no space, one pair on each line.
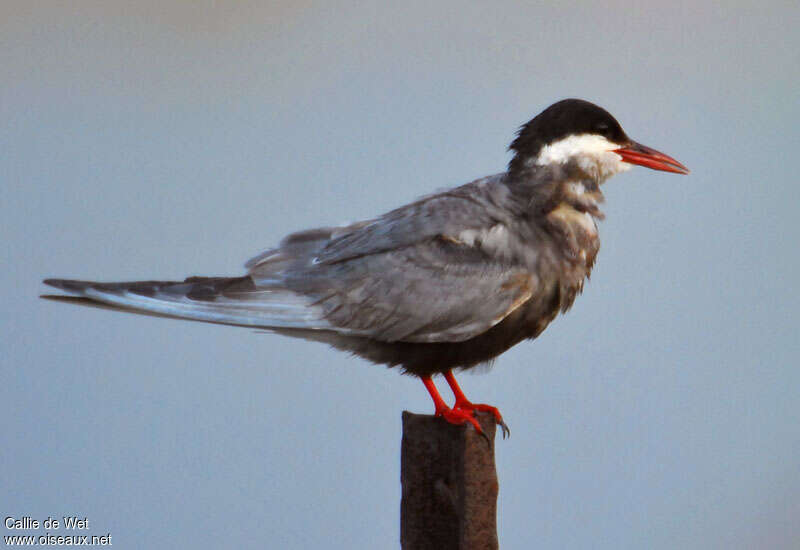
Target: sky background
173,138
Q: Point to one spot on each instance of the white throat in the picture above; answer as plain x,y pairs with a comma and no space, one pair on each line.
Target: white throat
593,153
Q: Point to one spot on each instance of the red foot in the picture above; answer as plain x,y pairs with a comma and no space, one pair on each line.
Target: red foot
459,416
465,404
469,408
453,416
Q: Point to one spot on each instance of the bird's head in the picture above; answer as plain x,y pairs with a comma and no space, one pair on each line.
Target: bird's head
587,137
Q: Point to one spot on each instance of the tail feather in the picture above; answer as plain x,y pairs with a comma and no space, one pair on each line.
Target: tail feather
226,300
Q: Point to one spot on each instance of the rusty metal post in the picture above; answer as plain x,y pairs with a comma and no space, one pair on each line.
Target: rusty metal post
449,484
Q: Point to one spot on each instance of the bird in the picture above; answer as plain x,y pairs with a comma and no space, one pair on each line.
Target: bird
447,282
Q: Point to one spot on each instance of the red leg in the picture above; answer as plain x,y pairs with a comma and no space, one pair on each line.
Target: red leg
464,404
453,416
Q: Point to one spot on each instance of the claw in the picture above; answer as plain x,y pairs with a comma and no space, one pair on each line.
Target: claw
463,411
458,416
504,428
498,418
464,404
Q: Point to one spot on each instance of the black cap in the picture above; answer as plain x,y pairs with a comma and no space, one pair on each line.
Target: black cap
562,119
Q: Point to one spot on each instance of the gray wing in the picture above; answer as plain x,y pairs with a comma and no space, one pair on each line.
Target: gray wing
434,271
434,291
437,270
475,206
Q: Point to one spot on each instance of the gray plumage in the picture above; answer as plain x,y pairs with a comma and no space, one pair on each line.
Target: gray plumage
442,270
449,281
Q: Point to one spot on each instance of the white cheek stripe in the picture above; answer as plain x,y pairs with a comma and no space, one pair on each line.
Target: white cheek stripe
591,151
583,144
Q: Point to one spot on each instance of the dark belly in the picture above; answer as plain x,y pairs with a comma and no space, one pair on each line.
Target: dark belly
424,359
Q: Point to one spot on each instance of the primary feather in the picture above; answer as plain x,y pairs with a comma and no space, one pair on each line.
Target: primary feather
408,276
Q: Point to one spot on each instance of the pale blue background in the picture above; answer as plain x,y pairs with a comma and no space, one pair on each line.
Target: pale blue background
165,139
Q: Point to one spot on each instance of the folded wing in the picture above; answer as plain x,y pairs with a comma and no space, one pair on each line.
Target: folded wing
437,270
434,291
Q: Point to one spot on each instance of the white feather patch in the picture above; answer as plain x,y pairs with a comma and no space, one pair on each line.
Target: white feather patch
594,154
494,240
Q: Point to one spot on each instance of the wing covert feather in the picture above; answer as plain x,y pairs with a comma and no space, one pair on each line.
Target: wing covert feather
435,291
415,274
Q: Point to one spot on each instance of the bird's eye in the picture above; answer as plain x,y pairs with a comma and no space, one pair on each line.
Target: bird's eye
603,129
